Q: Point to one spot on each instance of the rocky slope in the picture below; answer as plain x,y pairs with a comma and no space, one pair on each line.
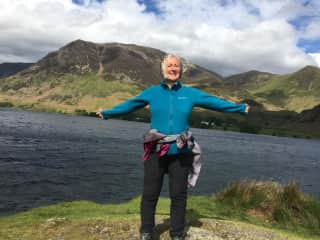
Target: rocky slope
126,62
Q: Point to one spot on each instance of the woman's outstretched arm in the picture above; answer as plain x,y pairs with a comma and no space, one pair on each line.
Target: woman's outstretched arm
128,106
208,101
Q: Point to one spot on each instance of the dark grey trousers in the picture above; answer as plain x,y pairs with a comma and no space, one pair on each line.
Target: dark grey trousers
177,167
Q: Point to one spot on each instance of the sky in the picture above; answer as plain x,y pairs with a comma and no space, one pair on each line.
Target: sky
225,36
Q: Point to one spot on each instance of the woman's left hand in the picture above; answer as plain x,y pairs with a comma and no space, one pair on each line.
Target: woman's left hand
247,108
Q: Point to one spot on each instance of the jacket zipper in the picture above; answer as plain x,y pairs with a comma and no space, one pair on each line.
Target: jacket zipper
171,112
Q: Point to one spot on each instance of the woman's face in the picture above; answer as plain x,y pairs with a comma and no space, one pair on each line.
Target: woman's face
172,71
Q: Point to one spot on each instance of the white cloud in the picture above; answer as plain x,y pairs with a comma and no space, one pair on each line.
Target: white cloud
232,38
312,31
316,57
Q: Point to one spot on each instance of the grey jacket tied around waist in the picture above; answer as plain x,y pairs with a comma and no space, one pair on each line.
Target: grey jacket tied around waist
162,142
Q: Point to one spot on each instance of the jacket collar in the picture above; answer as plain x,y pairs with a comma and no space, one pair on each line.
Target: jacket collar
175,86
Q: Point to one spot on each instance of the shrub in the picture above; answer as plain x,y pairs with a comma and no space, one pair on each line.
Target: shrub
6,104
283,205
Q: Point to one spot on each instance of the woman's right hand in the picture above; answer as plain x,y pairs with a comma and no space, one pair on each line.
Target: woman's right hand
99,114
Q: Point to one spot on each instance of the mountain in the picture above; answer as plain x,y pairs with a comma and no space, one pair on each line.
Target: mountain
296,91
247,79
8,69
126,62
86,75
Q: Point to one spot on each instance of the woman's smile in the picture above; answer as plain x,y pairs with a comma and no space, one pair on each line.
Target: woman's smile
173,69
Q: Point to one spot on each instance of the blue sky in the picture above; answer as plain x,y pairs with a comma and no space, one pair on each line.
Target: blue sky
310,45
151,6
225,36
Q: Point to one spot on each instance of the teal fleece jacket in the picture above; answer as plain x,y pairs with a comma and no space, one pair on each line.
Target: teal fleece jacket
170,108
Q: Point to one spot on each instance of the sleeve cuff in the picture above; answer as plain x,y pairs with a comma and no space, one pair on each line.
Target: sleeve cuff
244,109
104,114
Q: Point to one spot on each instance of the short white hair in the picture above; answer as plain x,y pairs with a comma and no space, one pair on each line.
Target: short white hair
165,61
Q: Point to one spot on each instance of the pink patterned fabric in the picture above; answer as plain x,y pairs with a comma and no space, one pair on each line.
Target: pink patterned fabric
148,147
164,147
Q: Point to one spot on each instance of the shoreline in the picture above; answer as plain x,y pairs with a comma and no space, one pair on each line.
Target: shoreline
133,118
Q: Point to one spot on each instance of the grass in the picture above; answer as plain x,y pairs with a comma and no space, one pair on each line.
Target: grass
68,93
271,205
93,85
282,91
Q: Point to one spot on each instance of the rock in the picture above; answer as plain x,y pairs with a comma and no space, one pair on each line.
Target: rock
195,233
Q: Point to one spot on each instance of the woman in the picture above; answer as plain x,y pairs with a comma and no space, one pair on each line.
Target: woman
170,105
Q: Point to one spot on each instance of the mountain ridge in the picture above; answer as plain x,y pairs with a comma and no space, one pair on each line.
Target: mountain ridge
295,91
71,72
121,61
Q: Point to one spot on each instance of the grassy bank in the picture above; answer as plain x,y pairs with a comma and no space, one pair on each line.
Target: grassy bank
249,209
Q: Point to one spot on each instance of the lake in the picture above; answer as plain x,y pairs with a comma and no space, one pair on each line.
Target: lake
47,158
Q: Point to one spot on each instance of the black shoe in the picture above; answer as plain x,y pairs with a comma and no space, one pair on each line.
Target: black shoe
177,238
146,236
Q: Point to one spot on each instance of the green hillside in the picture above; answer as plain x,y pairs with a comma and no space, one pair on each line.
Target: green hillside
296,91
67,93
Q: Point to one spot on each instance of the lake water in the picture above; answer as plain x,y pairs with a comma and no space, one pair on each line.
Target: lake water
47,158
